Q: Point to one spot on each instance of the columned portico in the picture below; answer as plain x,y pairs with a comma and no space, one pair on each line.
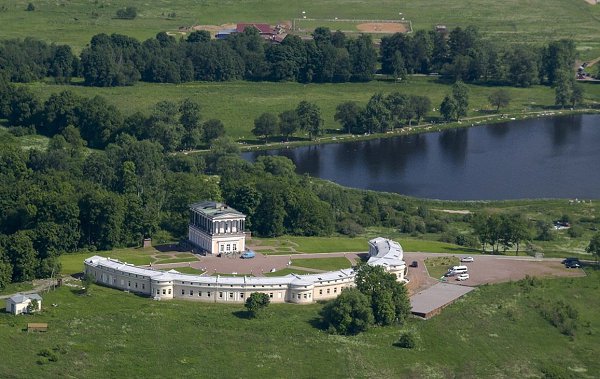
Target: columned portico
217,228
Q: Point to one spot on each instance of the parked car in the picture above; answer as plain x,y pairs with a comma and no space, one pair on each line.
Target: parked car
467,259
414,264
571,259
572,264
462,277
248,255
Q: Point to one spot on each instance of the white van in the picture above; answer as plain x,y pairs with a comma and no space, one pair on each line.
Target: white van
456,270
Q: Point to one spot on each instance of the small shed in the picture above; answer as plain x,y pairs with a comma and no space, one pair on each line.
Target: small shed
18,303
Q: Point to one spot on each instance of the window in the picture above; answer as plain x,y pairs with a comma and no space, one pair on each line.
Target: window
208,294
334,289
191,292
231,295
241,295
228,247
128,283
169,291
328,290
143,286
305,296
222,247
199,293
298,296
164,291
220,294
320,292
183,292
234,247
271,295
158,292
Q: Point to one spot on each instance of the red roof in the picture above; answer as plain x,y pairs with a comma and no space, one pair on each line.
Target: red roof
262,28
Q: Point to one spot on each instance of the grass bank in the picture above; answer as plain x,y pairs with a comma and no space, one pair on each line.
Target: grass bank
497,331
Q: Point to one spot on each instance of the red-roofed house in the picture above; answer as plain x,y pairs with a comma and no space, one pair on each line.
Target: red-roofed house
263,29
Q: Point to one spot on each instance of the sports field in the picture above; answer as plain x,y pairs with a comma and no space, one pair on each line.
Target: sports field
75,21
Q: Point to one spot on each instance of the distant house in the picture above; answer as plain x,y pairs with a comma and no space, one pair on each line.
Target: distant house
18,303
224,33
264,30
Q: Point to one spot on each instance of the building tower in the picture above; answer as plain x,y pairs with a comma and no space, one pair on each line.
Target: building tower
216,228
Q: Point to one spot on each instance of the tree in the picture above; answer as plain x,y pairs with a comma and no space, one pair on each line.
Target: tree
421,106
499,98
349,313
377,115
576,95
30,7
348,114
563,89
389,298
33,306
256,303
213,129
309,118
594,246
460,93
448,109
398,67
199,36
265,125
289,123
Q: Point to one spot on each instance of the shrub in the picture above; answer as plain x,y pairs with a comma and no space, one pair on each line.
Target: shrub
575,231
350,227
257,302
128,13
30,7
407,341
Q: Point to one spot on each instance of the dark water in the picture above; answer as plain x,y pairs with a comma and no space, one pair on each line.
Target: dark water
556,157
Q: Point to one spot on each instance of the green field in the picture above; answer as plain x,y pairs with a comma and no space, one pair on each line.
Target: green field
495,331
76,21
325,264
237,104
287,271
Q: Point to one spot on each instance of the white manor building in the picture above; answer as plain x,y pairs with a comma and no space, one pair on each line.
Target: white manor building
216,228
291,288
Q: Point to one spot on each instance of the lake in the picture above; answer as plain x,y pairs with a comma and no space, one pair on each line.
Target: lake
554,157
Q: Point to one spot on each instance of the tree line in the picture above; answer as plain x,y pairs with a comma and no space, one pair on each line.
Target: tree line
465,55
461,55
175,126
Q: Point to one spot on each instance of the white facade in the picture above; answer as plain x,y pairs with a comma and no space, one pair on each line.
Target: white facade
18,303
302,289
216,228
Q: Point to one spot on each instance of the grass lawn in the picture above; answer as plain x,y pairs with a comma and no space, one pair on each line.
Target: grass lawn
438,266
247,100
496,331
15,287
184,270
76,21
325,264
409,244
189,258
286,271
73,263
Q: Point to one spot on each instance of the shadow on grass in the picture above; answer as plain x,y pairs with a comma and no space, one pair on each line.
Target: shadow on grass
318,323
245,315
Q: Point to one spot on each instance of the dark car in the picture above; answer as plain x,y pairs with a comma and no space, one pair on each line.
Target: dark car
569,260
414,264
572,264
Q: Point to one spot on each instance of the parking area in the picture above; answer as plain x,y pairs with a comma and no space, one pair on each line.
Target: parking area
495,269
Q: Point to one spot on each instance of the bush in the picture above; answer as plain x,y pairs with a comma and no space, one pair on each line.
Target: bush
30,7
128,13
575,231
407,341
256,303
350,228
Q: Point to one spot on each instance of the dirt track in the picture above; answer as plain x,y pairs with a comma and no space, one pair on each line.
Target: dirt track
382,27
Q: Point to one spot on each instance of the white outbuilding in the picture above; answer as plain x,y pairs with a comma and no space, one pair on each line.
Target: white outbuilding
19,303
